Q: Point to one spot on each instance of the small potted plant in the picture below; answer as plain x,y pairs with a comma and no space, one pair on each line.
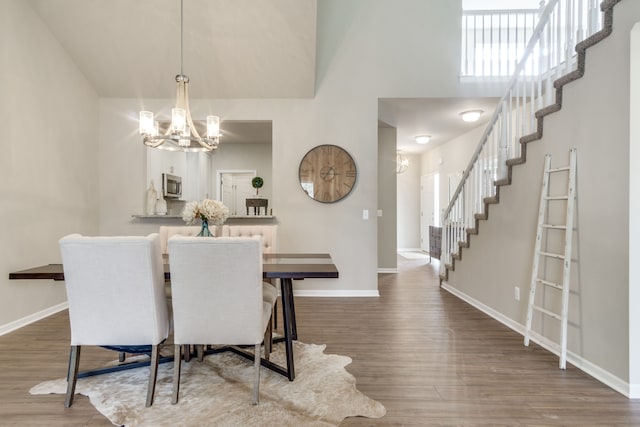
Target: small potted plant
257,183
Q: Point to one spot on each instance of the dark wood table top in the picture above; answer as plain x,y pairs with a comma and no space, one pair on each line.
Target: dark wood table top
274,266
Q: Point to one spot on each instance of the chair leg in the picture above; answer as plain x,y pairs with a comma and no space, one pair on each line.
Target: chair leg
268,340
176,373
72,375
275,314
256,373
153,373
200,352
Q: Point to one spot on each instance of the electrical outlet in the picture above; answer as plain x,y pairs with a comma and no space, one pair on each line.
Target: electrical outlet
365,214
379,212
517,293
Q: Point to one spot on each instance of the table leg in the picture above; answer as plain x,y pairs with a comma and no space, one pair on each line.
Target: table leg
294,326
288,324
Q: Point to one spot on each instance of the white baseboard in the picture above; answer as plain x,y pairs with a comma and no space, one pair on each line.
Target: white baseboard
387,270
634,391
335,293
605,377
17,324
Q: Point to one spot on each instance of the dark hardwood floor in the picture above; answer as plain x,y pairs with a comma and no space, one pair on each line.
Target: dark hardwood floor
430,358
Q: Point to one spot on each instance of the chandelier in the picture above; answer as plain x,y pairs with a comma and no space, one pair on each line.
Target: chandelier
402,163
180,134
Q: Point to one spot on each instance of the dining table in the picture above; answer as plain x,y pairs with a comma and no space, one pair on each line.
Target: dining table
287,267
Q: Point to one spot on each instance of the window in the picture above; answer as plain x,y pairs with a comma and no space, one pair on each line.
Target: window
495,34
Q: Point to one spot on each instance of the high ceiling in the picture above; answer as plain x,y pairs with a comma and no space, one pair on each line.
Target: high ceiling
232,49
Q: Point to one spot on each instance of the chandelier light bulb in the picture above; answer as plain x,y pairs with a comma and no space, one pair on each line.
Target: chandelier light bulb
146,123
213,126
178,121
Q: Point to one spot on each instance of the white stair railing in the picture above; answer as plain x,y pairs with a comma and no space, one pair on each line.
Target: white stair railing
494,40
549,55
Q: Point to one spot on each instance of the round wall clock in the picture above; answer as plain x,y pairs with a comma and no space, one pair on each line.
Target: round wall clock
327,173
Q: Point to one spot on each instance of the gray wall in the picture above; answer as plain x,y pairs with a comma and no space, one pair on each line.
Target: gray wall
594,119
387,231
634,213
49,159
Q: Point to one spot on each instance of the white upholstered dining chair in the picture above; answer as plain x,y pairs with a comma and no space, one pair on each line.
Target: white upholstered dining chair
218,299
268,235
115,289
167,231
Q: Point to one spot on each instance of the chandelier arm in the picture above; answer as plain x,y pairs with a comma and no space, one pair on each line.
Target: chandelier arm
206,145
194,131
148,141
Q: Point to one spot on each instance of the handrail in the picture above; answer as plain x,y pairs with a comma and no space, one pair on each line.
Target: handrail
549,54
512,82
498,11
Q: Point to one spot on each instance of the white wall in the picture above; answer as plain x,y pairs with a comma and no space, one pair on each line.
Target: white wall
595,120
48,161
408,207
450,159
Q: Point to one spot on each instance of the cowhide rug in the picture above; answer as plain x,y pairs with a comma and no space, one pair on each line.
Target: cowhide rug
218,392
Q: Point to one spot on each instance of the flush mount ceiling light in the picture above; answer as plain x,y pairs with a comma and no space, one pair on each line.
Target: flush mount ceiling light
402,163
180,134
471,115
423,139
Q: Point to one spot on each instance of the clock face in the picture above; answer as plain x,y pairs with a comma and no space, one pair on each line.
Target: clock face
327,173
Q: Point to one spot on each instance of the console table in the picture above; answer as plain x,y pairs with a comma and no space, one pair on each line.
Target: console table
256,204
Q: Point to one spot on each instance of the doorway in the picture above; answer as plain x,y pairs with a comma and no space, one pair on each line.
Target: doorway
234,187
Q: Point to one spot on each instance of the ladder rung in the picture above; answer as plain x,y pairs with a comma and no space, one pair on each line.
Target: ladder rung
556,198
560,169
547,312
558,227
546,282
549,254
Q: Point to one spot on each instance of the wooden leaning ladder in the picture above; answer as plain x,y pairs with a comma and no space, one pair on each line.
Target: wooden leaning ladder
545,199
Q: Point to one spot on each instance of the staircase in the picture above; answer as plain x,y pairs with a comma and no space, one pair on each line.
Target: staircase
554,57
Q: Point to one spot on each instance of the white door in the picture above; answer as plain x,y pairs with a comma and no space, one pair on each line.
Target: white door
427,209
235,188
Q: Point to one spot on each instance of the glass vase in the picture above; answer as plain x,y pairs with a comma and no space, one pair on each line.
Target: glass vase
204,232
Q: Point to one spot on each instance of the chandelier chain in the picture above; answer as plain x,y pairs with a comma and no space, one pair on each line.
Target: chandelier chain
181,35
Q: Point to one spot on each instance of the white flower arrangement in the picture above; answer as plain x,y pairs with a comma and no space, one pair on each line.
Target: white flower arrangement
211,210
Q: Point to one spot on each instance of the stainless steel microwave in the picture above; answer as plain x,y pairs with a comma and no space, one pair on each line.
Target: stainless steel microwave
171,186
